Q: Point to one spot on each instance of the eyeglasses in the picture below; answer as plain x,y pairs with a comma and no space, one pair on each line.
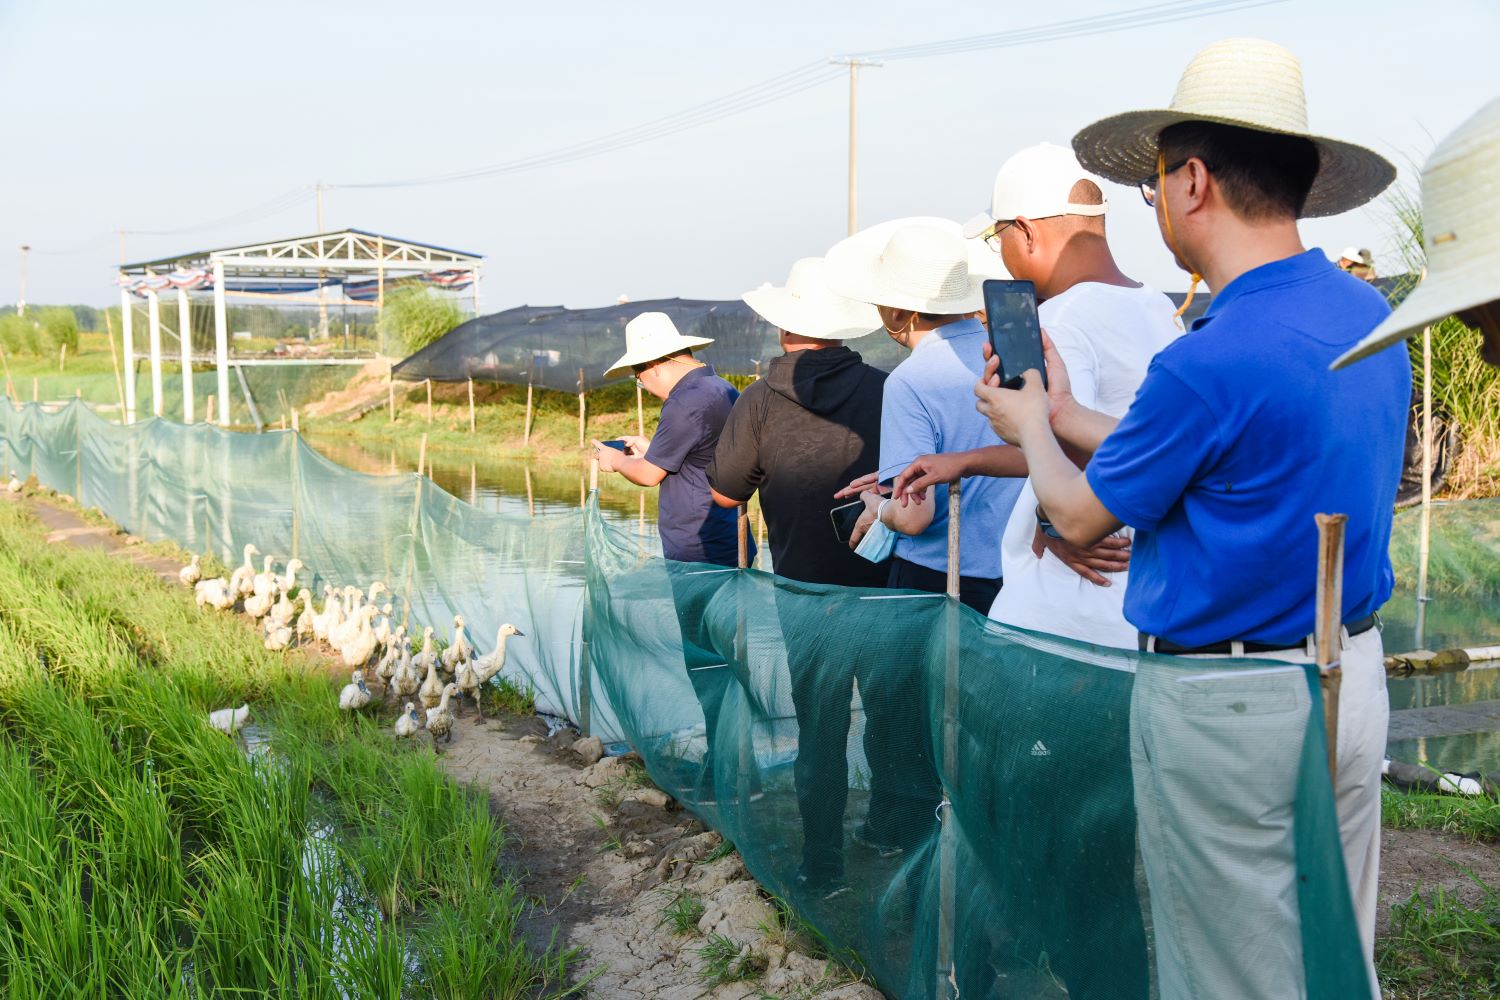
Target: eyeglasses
1148,186
993,239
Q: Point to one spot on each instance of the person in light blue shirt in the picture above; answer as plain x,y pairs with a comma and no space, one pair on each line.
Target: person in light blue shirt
919,280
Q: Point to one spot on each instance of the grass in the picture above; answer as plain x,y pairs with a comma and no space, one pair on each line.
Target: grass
1475,818
329,863
682,913
1440,948
726,962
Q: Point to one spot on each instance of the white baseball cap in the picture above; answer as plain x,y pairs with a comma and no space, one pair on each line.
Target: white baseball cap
1035,183
1350,253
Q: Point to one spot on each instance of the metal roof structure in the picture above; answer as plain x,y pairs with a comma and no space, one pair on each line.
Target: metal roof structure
345,250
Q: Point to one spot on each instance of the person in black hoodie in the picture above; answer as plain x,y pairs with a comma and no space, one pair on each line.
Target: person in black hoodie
796,436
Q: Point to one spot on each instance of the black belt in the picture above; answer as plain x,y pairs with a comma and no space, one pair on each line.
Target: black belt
1226,648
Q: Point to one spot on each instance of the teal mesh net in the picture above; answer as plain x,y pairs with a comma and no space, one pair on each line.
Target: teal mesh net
965,808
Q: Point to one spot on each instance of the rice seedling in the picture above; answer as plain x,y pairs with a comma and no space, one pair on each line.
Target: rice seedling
682,913
147,855
726,962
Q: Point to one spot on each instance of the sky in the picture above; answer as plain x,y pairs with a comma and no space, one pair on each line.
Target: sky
118,118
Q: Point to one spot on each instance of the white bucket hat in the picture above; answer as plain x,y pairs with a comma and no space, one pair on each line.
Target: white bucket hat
1460,233
1350,253
651,336
1035,183
805,305
930,269
1249,83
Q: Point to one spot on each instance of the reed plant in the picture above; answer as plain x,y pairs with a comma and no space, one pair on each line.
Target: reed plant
145,854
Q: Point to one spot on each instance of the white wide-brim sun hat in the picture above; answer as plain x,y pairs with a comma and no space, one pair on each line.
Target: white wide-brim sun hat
1460,233
1250,83
930,269
806,306
649,337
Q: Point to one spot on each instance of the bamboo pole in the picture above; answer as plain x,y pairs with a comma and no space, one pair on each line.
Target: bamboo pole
36,389
114,362
580,408
947,852
530,506
471,406
640,412
1424,537
526,431
390,395
429,401
62,358
422,454
585,660
212,399
1329,630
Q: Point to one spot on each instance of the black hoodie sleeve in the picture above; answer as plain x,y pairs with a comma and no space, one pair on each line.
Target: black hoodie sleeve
736,470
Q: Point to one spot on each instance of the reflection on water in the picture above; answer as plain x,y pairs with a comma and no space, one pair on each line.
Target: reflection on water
1459,688
1463,754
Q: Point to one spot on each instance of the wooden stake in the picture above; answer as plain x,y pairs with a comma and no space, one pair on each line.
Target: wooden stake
742,530
295,428
594,474
62,358
640,412
580,408
36,389
1329,630
212,399
471,406
530,506
390,396
429,401
422,454
955,491
114,362
526,432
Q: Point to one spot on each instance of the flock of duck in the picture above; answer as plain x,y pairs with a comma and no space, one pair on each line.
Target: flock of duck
361,631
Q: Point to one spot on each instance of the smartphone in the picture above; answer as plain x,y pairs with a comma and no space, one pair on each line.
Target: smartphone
616,444
1015,333
845,518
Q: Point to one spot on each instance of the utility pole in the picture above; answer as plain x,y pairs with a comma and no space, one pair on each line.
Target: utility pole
21,299
322,305
854,65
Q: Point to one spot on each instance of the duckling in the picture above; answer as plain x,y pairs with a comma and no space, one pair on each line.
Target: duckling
440,719
264,582
215,593
281,613
258,605
459,650
383,626
242,580
376,588
306,620
355,695
405,682
432,687
390,661
278,637
408,723
325,620
192,572
229,720
361,646
15,485
288,580
349,624
428,656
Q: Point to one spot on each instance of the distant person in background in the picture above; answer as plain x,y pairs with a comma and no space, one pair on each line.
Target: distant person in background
1360,263
1461,238
693,529
795,437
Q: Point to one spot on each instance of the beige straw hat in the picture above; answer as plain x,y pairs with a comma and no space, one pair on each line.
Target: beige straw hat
1460,233
1250,83
931,268
805,305
651,336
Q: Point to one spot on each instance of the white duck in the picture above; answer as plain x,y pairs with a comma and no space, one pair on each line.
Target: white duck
440,718
389,662
215,593
472,676
307,619
241,581
288,580
375,588
15,485
281,613
350,618
265,581
229,720
432,686
258,605
383,625
278,637
408,723
428,656
192,572
405,682
361,646
355,695
331,615
459,650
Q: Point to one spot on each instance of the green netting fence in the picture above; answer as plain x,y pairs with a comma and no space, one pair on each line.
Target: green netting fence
961,798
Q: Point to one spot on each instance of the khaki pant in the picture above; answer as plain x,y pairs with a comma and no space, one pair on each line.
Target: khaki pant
1215,755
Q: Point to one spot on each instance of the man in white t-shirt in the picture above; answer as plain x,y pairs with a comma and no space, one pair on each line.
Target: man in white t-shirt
1047,223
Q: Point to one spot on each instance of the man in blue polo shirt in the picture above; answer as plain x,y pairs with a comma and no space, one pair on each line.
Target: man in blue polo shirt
1238,437
693,529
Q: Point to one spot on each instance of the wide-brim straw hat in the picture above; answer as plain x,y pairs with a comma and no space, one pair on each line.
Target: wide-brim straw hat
806,306
1460,233
649,337
1250,83
931,268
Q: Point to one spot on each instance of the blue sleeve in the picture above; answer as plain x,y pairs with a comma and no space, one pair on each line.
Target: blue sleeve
906,428
1163,444
678,432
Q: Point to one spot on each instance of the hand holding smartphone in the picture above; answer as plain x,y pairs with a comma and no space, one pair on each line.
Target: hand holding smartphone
1015,332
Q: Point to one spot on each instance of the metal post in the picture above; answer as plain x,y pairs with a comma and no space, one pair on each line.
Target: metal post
221,342
153,319
1329,630
1424,538
854,65
185,336
947,852
127,332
